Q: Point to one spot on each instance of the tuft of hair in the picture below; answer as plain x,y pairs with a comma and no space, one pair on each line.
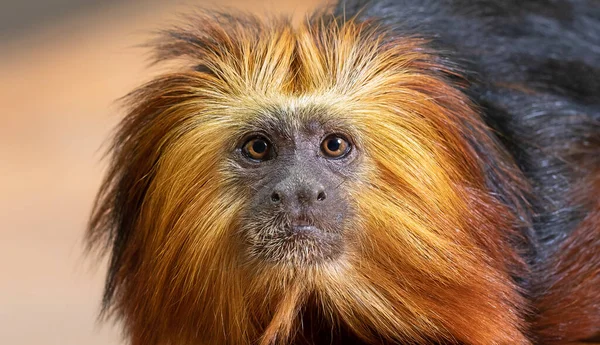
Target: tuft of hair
434,257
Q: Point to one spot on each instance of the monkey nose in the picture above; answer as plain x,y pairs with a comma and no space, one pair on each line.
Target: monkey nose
300,194
276,197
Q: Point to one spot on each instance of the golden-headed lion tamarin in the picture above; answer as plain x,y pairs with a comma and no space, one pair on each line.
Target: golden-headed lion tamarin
396,172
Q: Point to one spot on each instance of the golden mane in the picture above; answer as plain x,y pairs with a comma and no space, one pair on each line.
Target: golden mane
431,259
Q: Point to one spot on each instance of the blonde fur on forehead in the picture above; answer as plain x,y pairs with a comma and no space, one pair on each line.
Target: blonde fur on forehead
430,258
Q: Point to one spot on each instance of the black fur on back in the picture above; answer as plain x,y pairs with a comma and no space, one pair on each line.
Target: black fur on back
534,68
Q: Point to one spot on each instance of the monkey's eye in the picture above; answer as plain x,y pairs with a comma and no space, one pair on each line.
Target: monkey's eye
335,146
257,148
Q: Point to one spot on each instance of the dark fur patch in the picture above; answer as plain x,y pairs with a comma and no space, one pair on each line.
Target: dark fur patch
534,68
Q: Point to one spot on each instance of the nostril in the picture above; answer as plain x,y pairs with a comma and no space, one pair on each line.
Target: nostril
321,196
275,197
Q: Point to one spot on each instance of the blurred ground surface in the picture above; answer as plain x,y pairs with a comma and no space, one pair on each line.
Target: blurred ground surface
59,77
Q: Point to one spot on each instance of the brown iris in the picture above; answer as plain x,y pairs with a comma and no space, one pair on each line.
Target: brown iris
335,146
257,148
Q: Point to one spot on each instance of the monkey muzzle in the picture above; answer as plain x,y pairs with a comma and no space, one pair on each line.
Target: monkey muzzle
300,222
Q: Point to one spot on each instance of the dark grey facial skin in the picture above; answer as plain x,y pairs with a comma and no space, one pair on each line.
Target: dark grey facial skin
299,206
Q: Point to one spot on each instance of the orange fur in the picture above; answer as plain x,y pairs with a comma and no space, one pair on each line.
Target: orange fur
431,257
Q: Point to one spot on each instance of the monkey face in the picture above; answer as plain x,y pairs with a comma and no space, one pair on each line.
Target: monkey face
294,168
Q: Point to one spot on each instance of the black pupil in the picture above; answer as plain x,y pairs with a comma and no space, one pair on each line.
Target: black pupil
259,146
334,145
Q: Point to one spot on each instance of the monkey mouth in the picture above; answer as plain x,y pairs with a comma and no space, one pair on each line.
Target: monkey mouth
302,230
298,243
302,227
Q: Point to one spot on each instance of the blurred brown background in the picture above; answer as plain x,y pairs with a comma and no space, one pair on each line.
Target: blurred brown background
63,63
